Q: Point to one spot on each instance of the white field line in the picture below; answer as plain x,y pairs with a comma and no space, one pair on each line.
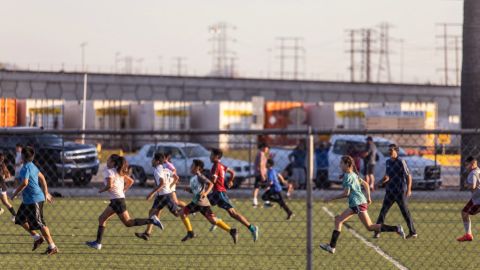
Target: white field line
370,244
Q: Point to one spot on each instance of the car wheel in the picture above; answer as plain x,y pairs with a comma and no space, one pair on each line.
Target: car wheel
82,179
139,175
431,186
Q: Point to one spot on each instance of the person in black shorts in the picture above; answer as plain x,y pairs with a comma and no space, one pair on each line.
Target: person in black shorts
369,163
117,182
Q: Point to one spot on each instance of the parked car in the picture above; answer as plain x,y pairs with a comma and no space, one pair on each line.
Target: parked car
425,173
182,156
55,157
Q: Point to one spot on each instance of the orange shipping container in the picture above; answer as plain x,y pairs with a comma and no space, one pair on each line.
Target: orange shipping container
283,115
8,112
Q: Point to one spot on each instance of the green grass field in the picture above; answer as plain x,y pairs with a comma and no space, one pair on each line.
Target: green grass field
281,244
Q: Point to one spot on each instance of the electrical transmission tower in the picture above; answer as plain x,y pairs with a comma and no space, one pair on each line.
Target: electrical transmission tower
291,49
384,72
362,42
223,57
450,42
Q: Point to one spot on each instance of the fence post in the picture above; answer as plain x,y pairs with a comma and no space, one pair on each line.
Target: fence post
310,166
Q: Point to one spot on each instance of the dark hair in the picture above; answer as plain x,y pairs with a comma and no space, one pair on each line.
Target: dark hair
270,162
18,145
198,163
350,162
217,152
4,170
159,157
28,153
394,146
167,154
369,138
262,145
120,164
470,159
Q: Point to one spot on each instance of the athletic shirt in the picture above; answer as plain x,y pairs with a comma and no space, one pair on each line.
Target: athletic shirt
219,170
352,183
397,170
32,192
272,177
197,185
474,177
118,183
172,168
162,173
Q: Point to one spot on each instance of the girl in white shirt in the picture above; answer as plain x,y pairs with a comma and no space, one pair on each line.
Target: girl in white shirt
117,182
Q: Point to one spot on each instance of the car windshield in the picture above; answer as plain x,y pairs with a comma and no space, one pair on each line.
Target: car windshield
196,151
382,147
48,139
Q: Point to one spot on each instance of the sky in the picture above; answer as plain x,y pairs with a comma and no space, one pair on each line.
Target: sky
47,34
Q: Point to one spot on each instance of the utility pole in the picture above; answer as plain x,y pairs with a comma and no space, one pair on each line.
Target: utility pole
82,46
446,39
364,46
291,48
223,57
352,40
179,66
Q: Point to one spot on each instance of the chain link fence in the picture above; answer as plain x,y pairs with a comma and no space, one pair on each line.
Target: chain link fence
291,222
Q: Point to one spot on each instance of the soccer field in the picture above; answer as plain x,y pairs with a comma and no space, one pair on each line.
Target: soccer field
281,244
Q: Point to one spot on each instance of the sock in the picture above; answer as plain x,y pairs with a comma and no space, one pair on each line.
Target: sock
255,201
222,225
51,246
268,202
100,231
188,225
335,235
388,228
12,211
36,237
468,227
251,228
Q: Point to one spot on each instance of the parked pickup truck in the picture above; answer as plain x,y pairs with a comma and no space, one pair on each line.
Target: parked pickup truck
425,173
55,158
182,156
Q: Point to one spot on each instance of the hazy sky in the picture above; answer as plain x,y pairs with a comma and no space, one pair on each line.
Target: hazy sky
49,32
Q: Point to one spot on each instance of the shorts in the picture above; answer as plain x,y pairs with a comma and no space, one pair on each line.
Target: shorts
369,169
31,214
471,208
220,199
259,183
118,205
360,208
299,176
166,200
193,208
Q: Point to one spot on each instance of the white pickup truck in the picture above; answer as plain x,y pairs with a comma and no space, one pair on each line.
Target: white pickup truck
182,156
425,173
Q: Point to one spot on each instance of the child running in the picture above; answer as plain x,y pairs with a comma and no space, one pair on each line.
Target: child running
4,175
274,190
357,204
169,165
34,189
219,194
473,205
164,181
117,182
200,186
